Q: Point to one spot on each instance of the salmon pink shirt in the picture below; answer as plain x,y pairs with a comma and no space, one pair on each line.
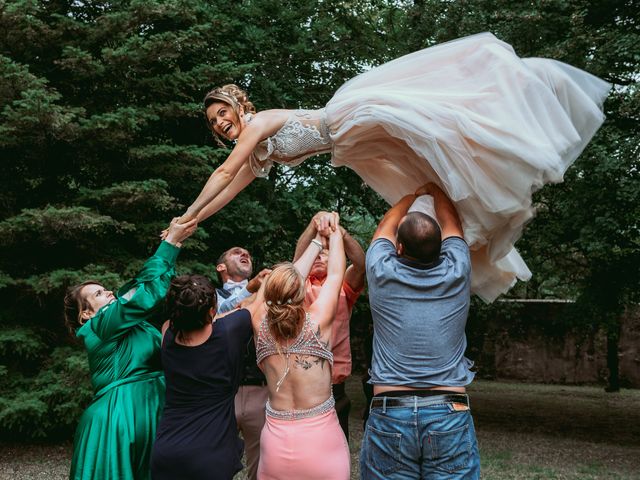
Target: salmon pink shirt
340,345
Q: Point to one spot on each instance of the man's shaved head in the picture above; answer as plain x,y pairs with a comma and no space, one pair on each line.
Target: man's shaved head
420,237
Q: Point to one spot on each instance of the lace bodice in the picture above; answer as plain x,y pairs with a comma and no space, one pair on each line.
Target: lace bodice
304,134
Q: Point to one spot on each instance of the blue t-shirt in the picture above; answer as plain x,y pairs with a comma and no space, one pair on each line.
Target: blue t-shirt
419,316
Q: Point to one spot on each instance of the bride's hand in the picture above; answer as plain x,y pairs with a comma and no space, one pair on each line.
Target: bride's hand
179,232
165,232
186,217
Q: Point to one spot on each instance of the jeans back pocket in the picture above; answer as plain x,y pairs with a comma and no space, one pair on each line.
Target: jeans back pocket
451,449
383,450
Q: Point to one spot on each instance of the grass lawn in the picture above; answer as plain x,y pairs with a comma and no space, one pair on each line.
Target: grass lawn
525,432
556,432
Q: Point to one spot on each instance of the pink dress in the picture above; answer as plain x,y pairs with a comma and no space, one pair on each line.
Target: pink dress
487,126
301,444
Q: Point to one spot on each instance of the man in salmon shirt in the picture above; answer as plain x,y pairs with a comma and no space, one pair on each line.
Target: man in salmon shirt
352,287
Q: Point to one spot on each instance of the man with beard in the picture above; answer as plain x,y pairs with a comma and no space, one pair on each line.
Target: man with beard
234,269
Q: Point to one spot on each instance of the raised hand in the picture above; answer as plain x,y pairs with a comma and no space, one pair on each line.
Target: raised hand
165,232
179,232
335,224
323,223
254,284
427,189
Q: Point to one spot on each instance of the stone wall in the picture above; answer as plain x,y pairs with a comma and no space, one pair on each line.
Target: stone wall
528,342
629,349
530,345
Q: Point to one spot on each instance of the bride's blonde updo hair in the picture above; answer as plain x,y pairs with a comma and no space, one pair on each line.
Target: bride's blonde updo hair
284,293
231,95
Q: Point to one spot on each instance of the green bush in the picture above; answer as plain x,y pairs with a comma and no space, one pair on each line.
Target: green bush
49,404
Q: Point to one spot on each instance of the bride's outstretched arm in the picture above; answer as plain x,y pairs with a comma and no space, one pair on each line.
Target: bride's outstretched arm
222,177
243,178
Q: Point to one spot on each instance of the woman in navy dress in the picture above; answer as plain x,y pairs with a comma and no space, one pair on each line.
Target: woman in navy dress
202,358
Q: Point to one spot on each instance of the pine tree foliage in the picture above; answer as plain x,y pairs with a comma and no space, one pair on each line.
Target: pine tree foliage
102,142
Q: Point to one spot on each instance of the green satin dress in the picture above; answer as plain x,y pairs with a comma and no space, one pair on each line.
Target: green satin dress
116,432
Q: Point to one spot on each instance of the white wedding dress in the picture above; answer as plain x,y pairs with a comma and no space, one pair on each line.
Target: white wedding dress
487,126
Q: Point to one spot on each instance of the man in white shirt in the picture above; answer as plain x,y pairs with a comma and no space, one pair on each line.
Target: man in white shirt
234,268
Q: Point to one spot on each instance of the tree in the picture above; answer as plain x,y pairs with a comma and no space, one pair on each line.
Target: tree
103,141
585,241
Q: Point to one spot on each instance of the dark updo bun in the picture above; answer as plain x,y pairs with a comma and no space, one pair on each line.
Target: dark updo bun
189,300
284,293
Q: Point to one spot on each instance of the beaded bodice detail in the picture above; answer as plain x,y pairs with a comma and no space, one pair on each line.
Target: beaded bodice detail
306,343
304,134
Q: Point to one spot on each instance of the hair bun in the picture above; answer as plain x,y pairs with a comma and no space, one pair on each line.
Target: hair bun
188,302
284,293
231,94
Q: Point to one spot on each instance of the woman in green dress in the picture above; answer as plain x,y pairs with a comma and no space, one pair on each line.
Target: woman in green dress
115,434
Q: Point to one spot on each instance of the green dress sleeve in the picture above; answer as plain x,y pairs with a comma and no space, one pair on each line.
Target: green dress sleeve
137,299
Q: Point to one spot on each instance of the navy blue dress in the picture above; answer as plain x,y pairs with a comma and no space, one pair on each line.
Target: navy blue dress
197,437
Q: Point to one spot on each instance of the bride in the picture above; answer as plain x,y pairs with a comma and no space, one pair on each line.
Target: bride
488,127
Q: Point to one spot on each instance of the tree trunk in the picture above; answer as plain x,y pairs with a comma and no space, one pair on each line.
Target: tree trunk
613,362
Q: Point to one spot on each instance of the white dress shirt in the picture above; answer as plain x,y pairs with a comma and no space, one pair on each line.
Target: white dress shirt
238,292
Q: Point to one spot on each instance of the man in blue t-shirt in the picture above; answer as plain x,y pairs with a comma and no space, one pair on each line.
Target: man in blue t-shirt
418,271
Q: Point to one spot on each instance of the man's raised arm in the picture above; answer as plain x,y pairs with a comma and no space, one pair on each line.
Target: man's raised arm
446,213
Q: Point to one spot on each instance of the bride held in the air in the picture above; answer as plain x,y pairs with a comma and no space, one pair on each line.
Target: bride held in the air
488,127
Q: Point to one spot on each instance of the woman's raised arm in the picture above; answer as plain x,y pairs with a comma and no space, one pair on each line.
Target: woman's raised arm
324,308
138,298
304,263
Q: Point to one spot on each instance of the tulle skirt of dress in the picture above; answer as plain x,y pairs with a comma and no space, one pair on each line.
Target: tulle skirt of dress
487,126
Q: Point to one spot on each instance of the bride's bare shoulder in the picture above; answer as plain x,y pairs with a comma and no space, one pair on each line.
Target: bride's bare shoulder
270,121
273,114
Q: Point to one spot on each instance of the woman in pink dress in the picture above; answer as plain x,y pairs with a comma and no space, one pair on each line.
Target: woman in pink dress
302,437
471,116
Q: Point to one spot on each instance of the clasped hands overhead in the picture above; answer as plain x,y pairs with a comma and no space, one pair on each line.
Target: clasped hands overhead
327,223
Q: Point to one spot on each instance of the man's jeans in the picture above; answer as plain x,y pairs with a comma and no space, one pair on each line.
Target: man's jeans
435,442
